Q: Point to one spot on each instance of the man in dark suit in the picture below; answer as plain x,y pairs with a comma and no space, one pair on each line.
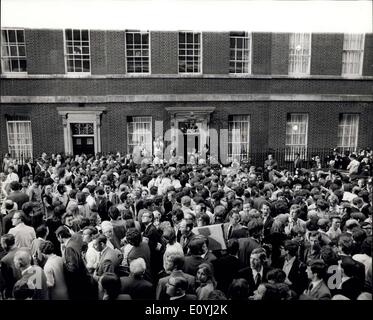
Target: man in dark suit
298,163
176,289
351,286
153,237
295,270
109,260
135,285
230,262
16,195
247,245
265,210
195,258
233,225
317,289
186,234
257,272
27,168
78,280
345,246
174,264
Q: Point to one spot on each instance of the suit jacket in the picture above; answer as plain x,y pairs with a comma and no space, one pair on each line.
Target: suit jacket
184,241
319,292
298,276
78,280
359,269
351,288
161,287
109,261
267,227
9,273
33,284
245,247
191,264
221,265
138,289
247,274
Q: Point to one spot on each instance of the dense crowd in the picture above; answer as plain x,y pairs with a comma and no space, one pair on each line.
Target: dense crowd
109,228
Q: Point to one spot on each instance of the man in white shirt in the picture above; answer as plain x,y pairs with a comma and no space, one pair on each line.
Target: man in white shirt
353,167
24,235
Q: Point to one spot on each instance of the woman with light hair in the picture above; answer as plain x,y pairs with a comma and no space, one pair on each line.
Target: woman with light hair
107,230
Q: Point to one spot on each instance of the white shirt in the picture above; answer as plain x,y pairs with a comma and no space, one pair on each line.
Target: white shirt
288,265
256,272
92,257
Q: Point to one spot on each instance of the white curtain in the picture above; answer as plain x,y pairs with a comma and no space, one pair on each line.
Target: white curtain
353,49
20,139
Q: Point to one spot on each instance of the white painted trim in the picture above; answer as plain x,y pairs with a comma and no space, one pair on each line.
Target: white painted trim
186,98
72,115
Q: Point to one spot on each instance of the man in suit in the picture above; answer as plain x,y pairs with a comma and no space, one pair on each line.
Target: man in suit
351,287
345,247
109,258
193,260
296,276
176,289
187,234
23,234
317,289
153,238
174,265
247,245
298,163
28,168
265,210
33,282
257,272
135,285
78,280
230,262
16,195
232,225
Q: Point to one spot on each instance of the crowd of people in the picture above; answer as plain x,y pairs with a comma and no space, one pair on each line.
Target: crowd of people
108,228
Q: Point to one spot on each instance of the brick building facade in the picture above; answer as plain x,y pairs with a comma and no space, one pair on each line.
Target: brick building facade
275,107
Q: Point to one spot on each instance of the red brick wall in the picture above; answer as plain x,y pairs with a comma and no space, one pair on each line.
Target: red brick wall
116,52
368,55
215,50
326,54
98,46
88,86
261,53
45,51
280,53
323,119
46,126
164,52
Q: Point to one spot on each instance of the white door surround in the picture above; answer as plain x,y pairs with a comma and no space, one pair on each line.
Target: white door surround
81,115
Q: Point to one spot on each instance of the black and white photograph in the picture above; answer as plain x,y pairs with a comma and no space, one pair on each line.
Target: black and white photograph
217,152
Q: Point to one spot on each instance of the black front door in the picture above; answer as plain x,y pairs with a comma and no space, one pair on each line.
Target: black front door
83,145
189,140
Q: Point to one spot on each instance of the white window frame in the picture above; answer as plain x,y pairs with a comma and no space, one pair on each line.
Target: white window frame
360,72
201,53
28,147
149,51
248,36
344,133
129,146
14,57
302,35
230,134
292,148
66,55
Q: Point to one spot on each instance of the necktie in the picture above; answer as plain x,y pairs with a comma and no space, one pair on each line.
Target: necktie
258,279
230,229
